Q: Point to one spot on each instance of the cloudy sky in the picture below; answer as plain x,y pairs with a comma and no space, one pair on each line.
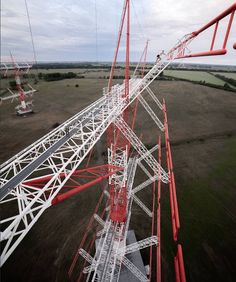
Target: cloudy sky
86,30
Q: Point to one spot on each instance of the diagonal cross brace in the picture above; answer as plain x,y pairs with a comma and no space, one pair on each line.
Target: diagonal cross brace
154,97
141,149
133,269
142,205
151,113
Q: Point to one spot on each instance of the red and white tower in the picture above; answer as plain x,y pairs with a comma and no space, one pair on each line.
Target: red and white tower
48,172
25,107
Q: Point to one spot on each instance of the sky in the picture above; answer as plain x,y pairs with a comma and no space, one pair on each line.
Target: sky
86,30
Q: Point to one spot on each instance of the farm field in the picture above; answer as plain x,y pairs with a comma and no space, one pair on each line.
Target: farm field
227,74
79,71
195,76
203,136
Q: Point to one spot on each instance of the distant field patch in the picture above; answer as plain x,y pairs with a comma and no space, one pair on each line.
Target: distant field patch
227,74
195,76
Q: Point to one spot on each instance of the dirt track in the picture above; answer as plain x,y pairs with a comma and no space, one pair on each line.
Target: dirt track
204,170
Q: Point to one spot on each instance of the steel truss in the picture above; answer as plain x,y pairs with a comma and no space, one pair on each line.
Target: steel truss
33,178
58,155
111,249
24,107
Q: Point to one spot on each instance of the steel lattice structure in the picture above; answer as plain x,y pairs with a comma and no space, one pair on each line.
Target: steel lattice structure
35,177
24,107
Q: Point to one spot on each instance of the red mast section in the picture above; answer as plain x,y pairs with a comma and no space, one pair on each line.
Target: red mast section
119,144
18,84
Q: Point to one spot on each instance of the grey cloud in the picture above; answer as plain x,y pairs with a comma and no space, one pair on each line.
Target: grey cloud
65,29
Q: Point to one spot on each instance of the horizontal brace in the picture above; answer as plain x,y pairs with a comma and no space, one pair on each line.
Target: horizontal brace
82,187
203,54
134,247
216,19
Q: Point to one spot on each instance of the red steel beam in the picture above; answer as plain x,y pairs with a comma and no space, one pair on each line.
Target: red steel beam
172,188
214,36
111,128
118,45
80,188
179,55
89,157
90,246
100,169
177,274
85,261
118,197
179,265
228,28
216,19
85,235
144,58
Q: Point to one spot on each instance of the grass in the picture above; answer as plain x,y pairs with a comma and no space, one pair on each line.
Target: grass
208,221
206,203
195,76
227,74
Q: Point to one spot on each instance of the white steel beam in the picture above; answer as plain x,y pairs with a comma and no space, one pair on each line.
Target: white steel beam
58,154
133,269
151,113
86,255
99,220
142,244
144,169
141,149
145,184
142,205
154,97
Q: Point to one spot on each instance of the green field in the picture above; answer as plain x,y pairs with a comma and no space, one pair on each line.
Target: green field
227,74
195,76
203,140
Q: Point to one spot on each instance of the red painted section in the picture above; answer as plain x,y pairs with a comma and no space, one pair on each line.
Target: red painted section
85,235
179,265
118,45
18,83
118,195
94,171
41,179
177,275
214,36
82,187
110,130
230,11
228,29
144,58
205,54
85,261
216,19
118,202
89,157
234,46
172,188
